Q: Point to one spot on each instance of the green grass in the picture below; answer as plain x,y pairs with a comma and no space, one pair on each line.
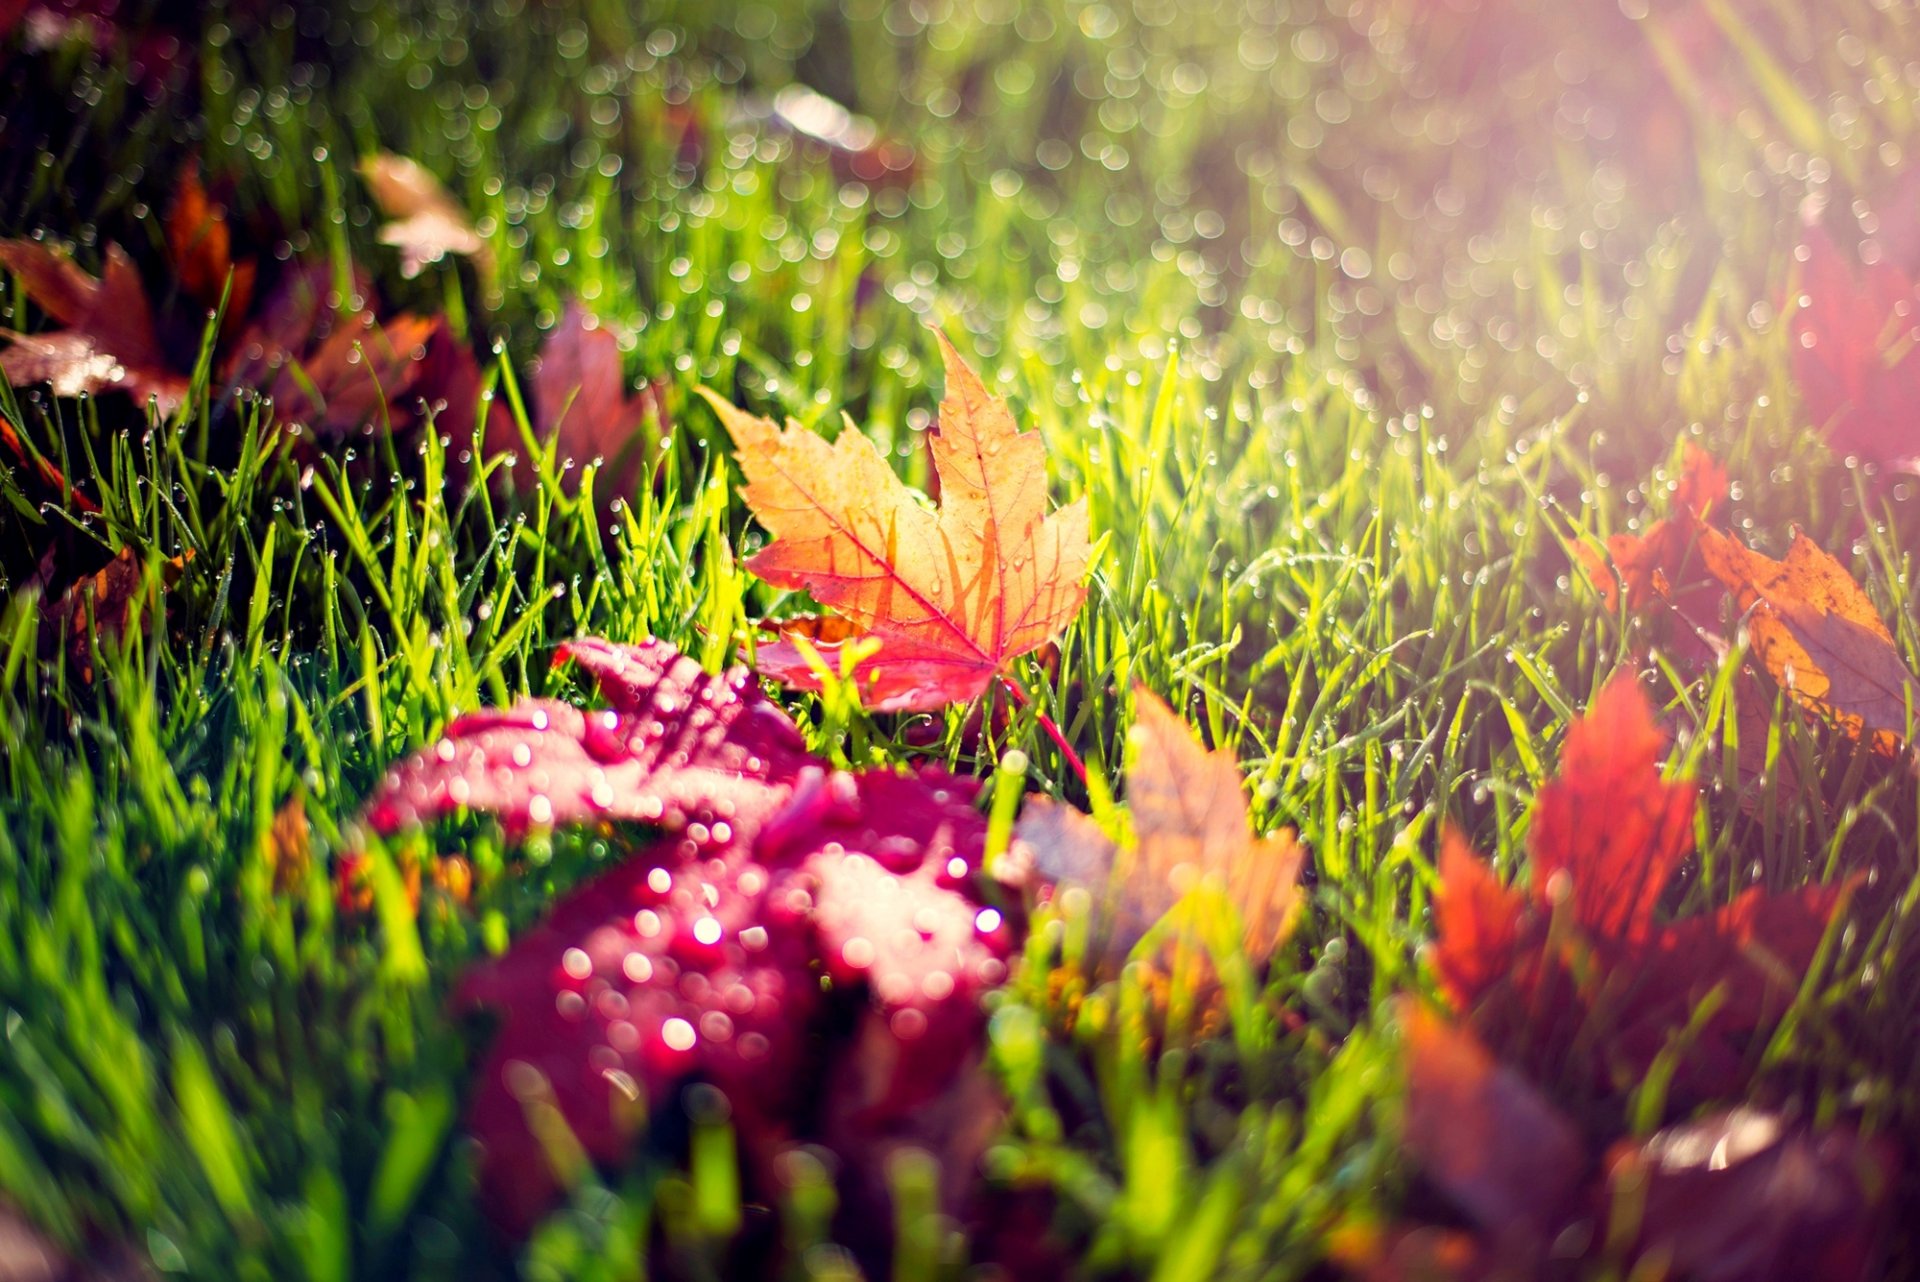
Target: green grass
1335,498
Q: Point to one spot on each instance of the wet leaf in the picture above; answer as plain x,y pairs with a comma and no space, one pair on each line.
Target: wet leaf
108,342
200,244
582,400
351,380
104,606
1747,1196
1499,1149
952,595
673,744
710,953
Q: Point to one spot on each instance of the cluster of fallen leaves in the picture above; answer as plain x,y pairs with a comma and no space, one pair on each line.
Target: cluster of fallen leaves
1812,630
1575,1007
814,942
784,891
783,894
1570,994
329,362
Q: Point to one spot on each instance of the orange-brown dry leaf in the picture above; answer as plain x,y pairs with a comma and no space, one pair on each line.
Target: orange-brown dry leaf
201,246
427,222
1501,1151
951,593
1817,634
102,605
289,845
1190,826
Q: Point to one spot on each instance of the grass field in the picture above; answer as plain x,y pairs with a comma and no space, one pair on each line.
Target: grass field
1350,321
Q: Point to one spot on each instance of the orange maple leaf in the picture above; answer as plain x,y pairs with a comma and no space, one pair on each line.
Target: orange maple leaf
1190,826
1818,636
950,594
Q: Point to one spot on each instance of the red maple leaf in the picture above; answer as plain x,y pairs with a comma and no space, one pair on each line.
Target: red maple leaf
706,954
1855,356
1646,565
1576,974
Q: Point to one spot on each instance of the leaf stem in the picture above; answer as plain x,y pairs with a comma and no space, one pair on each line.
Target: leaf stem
1021,698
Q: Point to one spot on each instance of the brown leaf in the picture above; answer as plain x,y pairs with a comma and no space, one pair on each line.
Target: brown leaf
290,845
953,594
427,222
1816,633
103,605
1744,1196
109,341
349,381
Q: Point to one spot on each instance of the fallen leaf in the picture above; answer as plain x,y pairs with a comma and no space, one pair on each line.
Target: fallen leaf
1576,975
427,223
951,595
200,244
1815,631
1190,826
674,744
1478,919
103,606
706,954
1608,823
43,469
1500,1150
1742,1195
1646,566
1746,1196
582,399
28,1255
108,342
289,846
351,379
1855,357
